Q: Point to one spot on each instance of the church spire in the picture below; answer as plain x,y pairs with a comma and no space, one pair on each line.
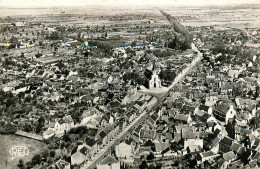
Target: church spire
153,65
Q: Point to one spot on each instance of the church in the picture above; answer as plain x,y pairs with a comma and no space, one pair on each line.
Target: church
155,81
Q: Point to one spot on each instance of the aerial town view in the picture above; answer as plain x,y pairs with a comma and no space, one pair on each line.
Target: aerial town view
129,86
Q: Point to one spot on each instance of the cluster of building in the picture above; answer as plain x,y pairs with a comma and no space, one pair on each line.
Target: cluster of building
53,90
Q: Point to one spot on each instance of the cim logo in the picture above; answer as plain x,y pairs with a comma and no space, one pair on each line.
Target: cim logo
19,151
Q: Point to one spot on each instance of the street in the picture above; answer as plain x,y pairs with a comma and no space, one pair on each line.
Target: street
138,120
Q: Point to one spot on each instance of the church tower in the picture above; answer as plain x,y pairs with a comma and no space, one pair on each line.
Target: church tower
155,82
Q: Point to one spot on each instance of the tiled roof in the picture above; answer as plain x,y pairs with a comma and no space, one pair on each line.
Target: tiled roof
227,141
229,156
84,150
235,147
102,134
181,117
223,108
149,134
108,160
90,142
207,154
161,146
204,107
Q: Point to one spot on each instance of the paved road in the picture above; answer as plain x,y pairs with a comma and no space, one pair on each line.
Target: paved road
160,95
187,69
121,136
138,120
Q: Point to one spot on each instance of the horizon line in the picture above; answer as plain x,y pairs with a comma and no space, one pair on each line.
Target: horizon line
111,3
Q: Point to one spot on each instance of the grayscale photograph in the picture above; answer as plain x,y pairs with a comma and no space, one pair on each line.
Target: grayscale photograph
129,84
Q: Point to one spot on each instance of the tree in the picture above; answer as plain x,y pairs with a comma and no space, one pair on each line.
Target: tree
20,164
13,40
90,75
167,75
52,153
36,159
41,120
66,138
150,156
148,74
143,165
28,98
140,81
54,36
155,166
27,128
45,154
86,53
29,164
38,55
60,64
38,128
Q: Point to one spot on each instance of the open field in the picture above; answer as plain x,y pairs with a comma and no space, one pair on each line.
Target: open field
8,141
237,17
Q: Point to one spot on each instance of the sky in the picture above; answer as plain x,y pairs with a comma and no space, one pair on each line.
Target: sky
50,3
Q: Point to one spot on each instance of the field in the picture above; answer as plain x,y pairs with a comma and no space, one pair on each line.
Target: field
226,16
8,141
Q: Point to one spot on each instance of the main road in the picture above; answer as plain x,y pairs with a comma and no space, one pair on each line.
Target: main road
101,154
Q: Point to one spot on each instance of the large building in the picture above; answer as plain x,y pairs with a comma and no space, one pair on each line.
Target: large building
109,163
155,81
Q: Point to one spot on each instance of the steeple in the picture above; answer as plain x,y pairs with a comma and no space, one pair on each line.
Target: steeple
155,81
153,65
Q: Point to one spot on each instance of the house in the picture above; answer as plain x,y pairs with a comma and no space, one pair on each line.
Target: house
91,144
213,143
190,142
60,164
235,147
124,150
235,164
194,149
225,145
160,146
48,134
119,52
73,43
203,117
102,136
147,134
256,144
248,105
78,158
183,118
206,156
109,163
63,125
190,133
233,73
139,54
177,133
205,109
223,112
228,158
90,117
